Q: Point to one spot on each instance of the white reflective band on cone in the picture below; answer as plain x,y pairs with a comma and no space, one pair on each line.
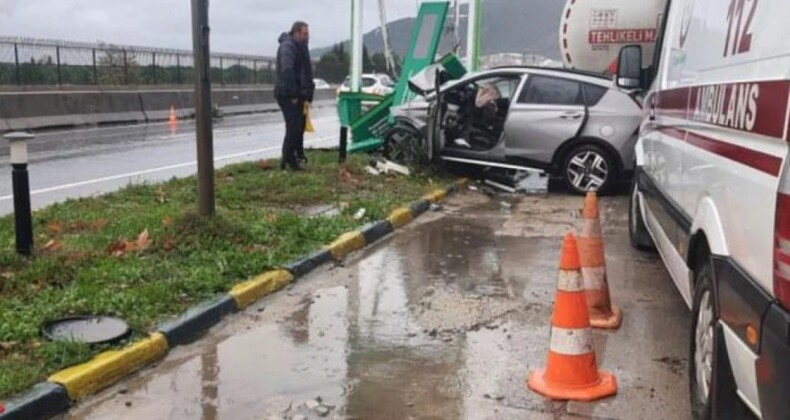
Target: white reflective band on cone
594,278
570,281
571,342
590,228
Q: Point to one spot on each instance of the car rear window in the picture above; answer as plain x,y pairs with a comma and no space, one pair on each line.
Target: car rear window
552,91
593,94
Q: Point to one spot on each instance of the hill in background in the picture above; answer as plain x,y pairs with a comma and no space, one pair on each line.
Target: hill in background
509,26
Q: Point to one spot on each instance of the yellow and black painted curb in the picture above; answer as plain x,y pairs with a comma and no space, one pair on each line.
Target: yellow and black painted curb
70,385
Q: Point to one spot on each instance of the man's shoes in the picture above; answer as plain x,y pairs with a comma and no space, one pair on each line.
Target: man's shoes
303,160
293,166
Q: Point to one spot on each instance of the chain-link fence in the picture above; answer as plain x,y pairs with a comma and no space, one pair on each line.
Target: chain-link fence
29,62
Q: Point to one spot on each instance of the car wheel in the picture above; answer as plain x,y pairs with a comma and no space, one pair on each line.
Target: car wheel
404,144
637,231
588,168
703,343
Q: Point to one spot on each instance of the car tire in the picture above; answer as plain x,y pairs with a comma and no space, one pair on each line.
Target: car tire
588,167
637,231
404,144
702,342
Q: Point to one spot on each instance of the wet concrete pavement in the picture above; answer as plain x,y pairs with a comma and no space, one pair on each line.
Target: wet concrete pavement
443,320
84,162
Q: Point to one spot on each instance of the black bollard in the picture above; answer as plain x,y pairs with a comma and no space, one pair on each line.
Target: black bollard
343,144
23,219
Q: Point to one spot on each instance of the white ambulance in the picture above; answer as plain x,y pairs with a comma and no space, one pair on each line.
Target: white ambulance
712,193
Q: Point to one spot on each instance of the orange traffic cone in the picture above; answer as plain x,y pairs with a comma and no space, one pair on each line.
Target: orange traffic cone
591,251
571,371
173,118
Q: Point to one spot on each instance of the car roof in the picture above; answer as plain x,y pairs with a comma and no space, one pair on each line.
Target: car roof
582,76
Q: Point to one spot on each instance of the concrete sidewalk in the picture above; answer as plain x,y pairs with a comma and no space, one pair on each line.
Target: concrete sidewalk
443,320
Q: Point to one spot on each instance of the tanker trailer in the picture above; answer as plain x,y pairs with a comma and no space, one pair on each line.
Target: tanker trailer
592,32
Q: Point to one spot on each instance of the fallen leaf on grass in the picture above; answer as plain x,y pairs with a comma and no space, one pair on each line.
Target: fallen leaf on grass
143,240
344,205
33,345
161,195
55,228
265,164
51,246
79,225
347,176
271,218
169,243
7,345
100,224
119,248
255,248
167,221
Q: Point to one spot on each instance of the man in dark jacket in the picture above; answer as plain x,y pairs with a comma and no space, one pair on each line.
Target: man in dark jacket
294,87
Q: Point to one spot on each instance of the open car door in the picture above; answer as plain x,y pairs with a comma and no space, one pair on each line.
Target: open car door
436,116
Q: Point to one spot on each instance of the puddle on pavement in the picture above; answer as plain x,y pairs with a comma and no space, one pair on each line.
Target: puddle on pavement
443,321
397,339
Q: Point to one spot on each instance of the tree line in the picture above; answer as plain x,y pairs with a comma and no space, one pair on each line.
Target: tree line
334,65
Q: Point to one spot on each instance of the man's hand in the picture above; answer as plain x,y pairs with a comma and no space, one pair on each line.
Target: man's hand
294,101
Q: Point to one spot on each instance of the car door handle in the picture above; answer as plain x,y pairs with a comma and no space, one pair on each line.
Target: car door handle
571,116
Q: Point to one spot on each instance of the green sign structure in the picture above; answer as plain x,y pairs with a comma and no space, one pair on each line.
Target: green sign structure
367,129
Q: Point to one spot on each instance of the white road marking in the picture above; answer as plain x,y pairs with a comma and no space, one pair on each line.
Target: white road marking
159,169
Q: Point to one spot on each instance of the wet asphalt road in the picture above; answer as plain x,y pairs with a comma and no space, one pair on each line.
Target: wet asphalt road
84,162
443,320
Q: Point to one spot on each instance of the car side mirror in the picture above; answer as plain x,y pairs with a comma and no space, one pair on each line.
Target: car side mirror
629,67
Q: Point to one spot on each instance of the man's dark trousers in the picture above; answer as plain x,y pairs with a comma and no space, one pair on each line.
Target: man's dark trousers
294,129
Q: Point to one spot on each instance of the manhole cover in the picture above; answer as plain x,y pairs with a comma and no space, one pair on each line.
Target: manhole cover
87,329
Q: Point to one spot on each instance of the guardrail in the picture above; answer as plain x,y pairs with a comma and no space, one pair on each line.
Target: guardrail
43,110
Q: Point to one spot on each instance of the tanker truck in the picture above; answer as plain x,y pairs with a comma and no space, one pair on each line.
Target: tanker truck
592,32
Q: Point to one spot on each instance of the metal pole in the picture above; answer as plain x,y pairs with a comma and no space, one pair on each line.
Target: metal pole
255,72
205,140
238,71
457,25
473,36
125,69
356,45
57,60
20,185
153,60
16,60
221,71
95,69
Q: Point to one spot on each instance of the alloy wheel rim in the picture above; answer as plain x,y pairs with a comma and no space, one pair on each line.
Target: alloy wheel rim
398,144
703,349
588,171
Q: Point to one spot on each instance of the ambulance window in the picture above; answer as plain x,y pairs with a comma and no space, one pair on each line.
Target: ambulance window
593,94
552,91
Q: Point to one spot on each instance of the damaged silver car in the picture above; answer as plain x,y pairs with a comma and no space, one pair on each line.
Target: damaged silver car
575,126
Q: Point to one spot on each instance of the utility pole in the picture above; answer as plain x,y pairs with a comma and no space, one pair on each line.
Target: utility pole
203,108
456,26
473,35
356,45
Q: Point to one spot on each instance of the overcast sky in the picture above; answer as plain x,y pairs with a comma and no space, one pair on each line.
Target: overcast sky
238,26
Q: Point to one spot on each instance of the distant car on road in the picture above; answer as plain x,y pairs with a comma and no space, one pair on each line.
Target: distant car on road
321,84
576,126
373,84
